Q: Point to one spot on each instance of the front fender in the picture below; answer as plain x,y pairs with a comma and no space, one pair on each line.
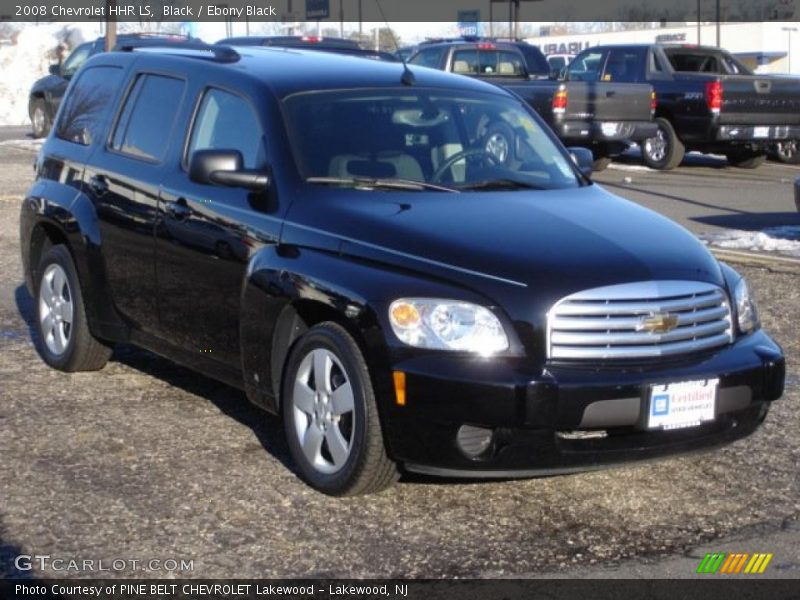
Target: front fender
286,283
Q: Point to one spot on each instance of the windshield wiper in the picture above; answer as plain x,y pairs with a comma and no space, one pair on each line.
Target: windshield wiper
501,184
374,182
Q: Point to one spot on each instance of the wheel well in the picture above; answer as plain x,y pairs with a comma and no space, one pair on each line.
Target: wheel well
293,322
43,237
663,114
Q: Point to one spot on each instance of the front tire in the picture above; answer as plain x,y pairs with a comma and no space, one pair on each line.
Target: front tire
330,415
66,342
664,151
40,122
746,160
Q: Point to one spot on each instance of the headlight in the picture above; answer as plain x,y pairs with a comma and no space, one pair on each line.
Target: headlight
447,325
746,314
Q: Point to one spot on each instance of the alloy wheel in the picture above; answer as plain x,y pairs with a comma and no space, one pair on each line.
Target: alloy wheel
56,311
323,405
656,147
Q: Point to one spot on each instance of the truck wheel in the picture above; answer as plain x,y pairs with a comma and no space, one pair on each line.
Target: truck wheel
600,163
499,142
787,152
331,417
66,342
40,122
745,159
664,151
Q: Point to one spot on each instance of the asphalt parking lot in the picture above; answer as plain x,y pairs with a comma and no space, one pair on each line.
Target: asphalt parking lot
147,460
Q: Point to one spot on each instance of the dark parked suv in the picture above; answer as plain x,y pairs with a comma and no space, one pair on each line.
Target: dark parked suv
340,239
46,93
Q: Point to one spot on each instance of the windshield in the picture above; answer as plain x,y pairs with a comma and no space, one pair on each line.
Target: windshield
455,141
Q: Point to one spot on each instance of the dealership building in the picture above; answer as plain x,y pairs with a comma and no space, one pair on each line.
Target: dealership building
765,47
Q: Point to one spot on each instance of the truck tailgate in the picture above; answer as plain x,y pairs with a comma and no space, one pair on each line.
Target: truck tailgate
608,101
754,100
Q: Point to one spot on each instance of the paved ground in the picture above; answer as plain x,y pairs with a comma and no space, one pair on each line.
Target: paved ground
146,460
705,195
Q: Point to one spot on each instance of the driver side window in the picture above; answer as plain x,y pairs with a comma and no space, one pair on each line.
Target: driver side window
226,121
76,59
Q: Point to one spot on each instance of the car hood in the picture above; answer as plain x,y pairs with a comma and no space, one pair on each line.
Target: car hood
45,83
543,243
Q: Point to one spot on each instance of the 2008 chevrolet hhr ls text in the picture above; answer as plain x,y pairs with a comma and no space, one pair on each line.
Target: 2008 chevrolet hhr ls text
403,263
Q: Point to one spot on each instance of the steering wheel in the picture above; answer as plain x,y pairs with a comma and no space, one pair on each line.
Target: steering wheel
449,162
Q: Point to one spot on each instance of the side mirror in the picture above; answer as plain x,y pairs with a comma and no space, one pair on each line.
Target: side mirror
555,73
562,74
55,70
583,158
224,167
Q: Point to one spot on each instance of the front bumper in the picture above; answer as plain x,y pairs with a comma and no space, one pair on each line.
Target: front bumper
535,416
605,131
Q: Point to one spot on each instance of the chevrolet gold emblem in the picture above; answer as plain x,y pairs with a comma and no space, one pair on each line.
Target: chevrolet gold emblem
658,323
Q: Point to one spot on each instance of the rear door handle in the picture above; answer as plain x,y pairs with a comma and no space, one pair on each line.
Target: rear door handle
610,93
98,184
179,210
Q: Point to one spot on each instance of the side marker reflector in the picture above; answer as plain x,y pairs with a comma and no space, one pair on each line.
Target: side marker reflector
399,387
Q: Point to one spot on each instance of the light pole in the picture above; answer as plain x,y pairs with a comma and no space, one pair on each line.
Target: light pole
789,31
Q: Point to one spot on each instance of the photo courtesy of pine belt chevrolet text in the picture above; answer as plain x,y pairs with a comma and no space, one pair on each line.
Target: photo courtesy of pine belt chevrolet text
405,264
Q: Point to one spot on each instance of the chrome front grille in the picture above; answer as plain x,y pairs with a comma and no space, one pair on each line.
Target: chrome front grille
642,320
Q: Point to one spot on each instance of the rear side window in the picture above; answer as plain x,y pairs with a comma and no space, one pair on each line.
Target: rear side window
428,57
536,62
488,62
85,108
228,122
144,125
693,62
622,65
587,66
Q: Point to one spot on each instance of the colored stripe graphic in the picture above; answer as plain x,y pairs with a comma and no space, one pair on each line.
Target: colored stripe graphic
730,564
711,563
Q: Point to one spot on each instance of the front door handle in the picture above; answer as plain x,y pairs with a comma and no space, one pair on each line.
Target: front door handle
98,185
179,210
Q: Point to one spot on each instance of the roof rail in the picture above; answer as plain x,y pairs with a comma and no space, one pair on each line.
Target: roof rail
222,54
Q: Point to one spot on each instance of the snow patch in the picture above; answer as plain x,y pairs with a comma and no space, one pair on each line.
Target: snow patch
783,240
23,62
626,167
24,144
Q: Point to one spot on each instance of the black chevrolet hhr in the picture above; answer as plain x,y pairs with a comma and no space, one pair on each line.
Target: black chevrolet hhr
406,265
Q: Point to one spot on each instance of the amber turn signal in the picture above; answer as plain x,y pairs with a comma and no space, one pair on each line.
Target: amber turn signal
399,387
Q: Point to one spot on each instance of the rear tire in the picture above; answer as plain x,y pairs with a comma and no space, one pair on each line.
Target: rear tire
330,415
66,343
40,122
664,151
745,159
787,152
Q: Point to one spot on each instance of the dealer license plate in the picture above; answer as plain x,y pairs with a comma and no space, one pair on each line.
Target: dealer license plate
684,404
761,132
